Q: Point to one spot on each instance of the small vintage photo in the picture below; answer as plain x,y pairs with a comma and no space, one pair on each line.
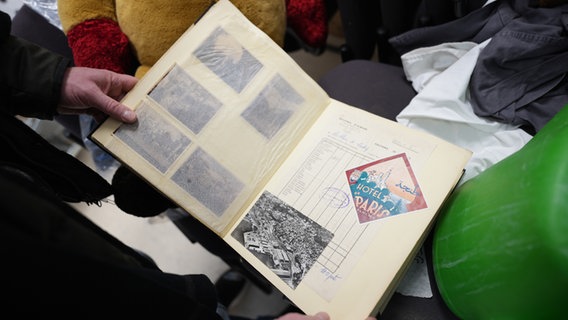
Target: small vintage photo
156,140
273,107
228,59
281,237
185,99
208,181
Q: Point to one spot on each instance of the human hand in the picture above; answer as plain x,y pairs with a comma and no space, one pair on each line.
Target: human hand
299,316
96,92
317,316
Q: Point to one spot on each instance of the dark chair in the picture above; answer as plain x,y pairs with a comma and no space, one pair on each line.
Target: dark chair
369,24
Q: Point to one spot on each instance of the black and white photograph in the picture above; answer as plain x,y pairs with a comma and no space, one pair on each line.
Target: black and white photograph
156,140
282,238
227,58
185,99
273,107
208,181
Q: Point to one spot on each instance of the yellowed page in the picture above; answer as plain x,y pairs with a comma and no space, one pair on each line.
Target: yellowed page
218,113
304,233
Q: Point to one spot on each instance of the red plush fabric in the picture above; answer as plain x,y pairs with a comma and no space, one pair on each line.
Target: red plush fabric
100,43
308,19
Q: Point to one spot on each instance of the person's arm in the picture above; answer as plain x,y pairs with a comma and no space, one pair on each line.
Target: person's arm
35,82
30,78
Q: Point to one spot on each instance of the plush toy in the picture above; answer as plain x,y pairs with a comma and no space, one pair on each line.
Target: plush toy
130,36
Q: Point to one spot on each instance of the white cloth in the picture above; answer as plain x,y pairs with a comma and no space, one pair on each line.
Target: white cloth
440,74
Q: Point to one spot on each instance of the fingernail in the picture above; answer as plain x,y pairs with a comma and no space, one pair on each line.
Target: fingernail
129,115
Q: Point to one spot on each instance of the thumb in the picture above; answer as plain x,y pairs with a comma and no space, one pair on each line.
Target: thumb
322,316
116,109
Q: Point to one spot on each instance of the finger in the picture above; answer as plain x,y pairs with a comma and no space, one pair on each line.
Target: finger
121,84
127,82
322,316
299,316
116,109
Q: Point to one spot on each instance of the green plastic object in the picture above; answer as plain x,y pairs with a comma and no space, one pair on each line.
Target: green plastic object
500,246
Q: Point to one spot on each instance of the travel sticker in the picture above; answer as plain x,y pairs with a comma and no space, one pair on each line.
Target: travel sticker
385,188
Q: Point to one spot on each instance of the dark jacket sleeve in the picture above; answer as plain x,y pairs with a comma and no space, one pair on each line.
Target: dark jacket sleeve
31,76
68,267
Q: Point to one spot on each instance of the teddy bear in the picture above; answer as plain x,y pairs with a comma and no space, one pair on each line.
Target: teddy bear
130,36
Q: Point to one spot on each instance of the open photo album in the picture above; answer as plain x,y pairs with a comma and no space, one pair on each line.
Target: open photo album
328,202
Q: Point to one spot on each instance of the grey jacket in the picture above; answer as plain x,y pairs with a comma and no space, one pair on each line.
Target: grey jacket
520,77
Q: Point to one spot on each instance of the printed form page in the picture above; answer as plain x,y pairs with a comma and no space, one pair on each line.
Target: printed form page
352,178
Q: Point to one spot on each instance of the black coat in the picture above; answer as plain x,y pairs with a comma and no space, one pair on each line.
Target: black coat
55,262
30,82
